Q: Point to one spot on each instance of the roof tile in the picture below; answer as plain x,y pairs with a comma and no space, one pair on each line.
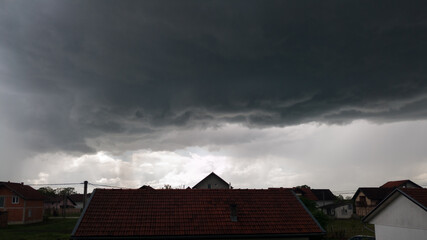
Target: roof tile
175,212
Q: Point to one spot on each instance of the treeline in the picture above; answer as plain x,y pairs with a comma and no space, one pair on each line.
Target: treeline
50,192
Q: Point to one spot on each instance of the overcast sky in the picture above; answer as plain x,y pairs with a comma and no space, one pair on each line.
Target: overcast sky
332,94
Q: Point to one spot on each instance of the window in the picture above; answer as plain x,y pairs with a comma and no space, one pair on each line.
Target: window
29,212
350,206
1,202
209,186
15,199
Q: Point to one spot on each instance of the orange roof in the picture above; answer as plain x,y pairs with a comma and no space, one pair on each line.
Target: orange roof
194,212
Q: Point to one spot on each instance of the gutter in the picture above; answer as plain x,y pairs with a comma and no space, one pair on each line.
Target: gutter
237,236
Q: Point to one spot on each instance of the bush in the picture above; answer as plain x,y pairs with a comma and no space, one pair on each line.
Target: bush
317,213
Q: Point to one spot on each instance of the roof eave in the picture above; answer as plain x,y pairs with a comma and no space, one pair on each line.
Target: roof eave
229,236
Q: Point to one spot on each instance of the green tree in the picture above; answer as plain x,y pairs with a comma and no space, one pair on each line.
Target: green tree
317,213
47,191
66,191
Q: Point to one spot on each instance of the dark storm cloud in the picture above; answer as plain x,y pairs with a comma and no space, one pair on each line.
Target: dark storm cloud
73,70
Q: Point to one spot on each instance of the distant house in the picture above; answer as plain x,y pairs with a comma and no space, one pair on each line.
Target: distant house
78,199
195,214
54,205
367,198
320,196
22,203
305,192
401,215
340,210
324,197
400,184
212,181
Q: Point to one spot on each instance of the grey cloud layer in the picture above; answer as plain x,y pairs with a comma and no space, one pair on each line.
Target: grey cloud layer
77,70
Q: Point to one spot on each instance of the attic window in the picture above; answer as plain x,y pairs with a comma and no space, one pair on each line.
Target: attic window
15,199
233,212
209,186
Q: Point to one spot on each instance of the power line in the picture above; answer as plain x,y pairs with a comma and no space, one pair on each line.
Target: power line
56,184
103,185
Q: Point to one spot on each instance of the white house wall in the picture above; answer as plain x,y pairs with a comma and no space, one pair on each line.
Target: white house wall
402,213
397,233
343,212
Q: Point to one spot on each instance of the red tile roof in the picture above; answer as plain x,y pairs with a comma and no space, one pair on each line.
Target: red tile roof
193,212
418,194
306,192
396,184
24,191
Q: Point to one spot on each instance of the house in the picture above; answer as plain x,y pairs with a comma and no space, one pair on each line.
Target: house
54,205
196,214
340,210
212,181
22,203
324,197
367,198
400,184
401,215
305,192
78,199
320,196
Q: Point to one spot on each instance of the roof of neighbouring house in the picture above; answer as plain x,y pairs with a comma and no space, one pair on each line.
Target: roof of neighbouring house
24,191
212,174
305,192
324,194
181,213
416,195
396,184
373,193
338,204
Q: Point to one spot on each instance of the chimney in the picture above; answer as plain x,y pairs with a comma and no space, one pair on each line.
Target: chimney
233,212
22,183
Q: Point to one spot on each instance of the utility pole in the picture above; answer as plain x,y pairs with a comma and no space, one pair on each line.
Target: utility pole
85,195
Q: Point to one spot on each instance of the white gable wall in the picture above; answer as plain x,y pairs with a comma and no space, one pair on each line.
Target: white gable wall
401,219
396,233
